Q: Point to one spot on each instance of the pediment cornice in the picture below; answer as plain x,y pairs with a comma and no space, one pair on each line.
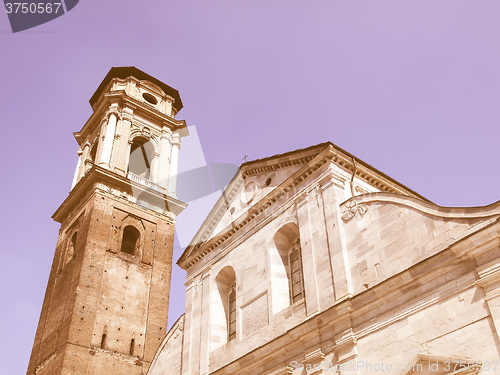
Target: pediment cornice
311,159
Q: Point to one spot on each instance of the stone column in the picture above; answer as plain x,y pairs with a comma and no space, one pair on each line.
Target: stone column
164,165
107,146
174,158
76,177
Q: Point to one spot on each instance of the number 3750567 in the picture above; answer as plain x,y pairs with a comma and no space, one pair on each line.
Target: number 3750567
32,8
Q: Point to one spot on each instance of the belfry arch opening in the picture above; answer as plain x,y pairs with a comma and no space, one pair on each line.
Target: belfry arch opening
130,240
141,157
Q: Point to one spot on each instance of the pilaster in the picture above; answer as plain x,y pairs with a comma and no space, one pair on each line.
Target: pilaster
337,242
320,244
187,346
308,256
205,323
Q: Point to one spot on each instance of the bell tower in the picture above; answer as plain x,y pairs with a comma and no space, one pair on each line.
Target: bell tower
106,303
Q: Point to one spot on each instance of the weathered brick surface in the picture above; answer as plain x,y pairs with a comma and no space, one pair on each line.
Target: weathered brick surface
103,291
105,310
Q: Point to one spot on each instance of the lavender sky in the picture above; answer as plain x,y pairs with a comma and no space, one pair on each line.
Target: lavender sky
411,87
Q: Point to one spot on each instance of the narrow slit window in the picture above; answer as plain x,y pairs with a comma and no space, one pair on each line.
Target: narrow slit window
132,345
103,341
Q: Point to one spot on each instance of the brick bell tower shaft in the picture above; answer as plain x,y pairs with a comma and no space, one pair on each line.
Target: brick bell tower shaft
106,304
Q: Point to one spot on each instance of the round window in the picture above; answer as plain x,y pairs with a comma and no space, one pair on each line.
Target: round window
150,98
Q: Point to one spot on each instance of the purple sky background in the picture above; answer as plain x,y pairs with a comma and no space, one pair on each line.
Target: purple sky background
410,87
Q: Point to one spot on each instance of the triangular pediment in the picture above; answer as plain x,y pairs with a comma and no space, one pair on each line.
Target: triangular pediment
257,181
252,182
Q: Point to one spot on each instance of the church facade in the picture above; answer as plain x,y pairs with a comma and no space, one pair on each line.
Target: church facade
314,262
311,262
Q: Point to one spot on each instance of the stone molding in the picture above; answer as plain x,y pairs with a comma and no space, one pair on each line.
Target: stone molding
175,331
427,207
101,179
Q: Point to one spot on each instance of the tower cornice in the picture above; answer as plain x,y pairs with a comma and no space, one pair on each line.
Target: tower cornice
155,199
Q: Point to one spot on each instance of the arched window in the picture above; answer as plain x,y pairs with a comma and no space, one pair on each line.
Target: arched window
130,240
296,277
223,313
141,156
231,315
287,279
